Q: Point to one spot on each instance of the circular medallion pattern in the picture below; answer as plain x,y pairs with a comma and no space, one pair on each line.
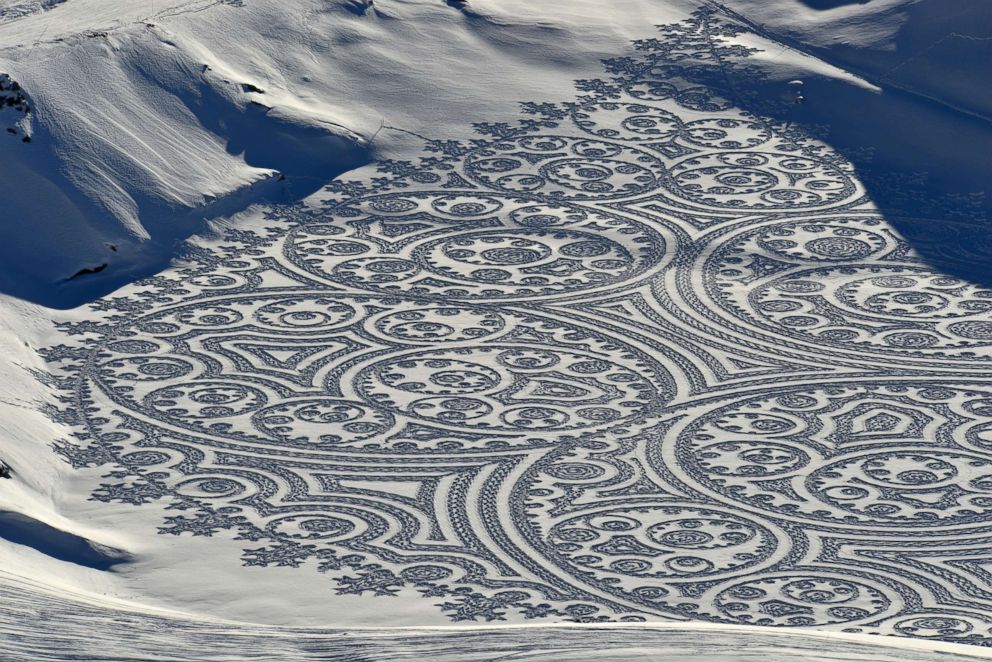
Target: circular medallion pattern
508,388
659,543
801,600
471,248
564,167
759,180
862,456
646,355
899,310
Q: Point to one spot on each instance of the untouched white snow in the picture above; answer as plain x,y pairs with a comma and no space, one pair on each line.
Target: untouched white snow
150,122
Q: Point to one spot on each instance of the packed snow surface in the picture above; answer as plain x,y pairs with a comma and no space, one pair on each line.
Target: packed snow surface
349,329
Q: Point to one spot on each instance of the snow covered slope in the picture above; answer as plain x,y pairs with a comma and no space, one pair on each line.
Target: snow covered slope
147,118
62,626
940,49
695,341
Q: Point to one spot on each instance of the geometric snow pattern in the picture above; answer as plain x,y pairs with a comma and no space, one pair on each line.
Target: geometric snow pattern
644,355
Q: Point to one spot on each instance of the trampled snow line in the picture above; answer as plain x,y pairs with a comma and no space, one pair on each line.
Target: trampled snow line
45,623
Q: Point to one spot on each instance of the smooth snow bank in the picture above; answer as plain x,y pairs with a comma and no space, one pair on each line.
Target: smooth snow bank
128,134
46,624
941,49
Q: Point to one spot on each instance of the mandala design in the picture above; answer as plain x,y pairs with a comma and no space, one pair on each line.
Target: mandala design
564,167
664,130
652,354
801,600
474,247
628,121
508,388
759,180
637,545
886,457
858,294
320,371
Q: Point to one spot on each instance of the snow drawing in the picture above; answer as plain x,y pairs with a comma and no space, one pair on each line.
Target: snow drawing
649,354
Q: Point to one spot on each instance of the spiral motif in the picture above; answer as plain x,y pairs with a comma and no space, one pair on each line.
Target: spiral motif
801,601
760,180
649,547
629,122
809,444
507,389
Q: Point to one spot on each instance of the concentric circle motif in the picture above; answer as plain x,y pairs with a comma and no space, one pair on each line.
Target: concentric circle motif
640,123
726,133
318,314
144,368
938,626
664,81
896,310
509,389
256,382
801,600
564,167
439,324
212,487
204,400
633,549
895,486
322,423
632,122
320,527
854,456
514,249
759,180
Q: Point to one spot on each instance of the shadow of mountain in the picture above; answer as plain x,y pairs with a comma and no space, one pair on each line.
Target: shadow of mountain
832,4
87,256
925,164
174,226
928,166
57,544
